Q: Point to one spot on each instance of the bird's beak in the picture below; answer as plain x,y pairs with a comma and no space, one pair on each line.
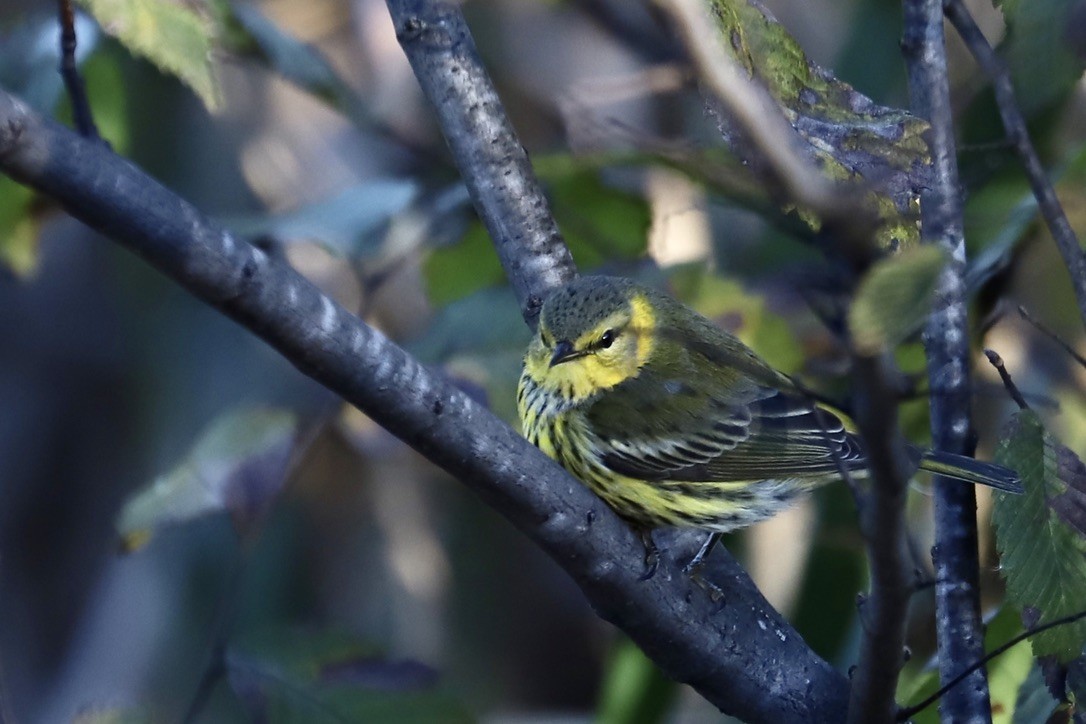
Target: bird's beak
564,352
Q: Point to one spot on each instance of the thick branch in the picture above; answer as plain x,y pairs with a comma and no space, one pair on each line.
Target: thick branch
740,654
491,159
946,341
1018,134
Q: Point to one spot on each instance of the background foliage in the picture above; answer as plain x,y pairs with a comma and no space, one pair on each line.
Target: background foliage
342,576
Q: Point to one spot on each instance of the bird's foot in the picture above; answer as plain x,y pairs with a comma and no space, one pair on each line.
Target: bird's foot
652,554
698,560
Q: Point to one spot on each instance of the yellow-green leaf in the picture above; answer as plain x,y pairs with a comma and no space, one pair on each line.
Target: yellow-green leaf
894,298
177,39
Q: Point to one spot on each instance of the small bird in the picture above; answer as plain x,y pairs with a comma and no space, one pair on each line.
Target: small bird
675,422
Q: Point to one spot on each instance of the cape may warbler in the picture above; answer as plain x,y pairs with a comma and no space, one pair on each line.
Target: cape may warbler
674,422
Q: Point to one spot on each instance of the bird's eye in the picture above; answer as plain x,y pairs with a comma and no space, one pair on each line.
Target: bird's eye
607,339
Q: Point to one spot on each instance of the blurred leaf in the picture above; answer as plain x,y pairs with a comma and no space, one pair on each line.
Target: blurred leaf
346,224
238,465
175,38
113,715
483,355
1008,671
1034,704
455,271
18,228
601,223
246,32
1043,555
894,298
634,690
742,313
1044,66
850,136
999,214
293,676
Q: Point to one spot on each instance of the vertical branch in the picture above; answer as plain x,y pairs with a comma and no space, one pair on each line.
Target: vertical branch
81,112
882,518
946,341
491,159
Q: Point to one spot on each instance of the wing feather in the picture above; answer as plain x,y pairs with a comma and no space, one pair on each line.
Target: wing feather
692,432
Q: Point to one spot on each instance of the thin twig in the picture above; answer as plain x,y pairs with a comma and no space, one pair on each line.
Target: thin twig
1008,383
731,655
1051,335
69,70
959,627
1018,134
915,709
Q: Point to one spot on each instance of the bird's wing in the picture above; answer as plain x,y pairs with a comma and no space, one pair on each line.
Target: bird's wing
703,430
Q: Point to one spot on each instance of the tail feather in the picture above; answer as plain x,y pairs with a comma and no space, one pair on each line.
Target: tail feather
972,471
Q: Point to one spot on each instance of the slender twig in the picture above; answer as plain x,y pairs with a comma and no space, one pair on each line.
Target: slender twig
69,70
1005,376
732,654
910,711
488,153
959,628
1018,134
1052,335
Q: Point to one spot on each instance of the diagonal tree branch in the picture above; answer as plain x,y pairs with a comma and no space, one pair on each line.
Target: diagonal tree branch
1015,124
740,654
491,159
946,342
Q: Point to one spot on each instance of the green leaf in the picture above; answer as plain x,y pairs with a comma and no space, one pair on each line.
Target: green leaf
1008,671
600,224
238,466
175,38
1040,537
326,676
18,228
894,298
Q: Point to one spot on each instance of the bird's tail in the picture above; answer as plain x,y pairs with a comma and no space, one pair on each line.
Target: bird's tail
971,471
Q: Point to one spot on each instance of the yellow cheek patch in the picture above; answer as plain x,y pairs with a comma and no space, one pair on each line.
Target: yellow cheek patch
642,324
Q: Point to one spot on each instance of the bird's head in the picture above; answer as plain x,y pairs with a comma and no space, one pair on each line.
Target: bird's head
594,333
